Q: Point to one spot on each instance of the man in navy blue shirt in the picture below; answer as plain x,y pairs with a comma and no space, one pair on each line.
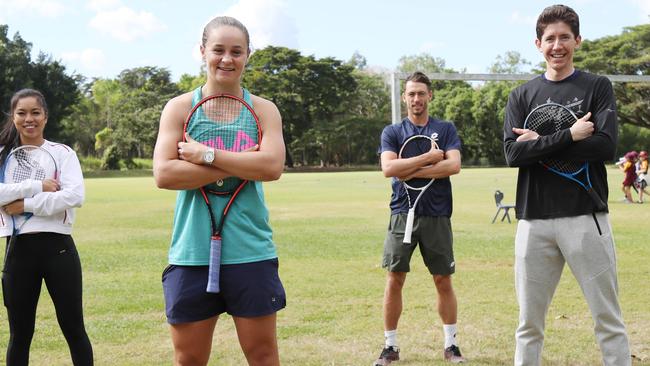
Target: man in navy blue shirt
432,225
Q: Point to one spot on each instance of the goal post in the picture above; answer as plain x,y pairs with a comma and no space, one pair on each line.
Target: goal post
398,77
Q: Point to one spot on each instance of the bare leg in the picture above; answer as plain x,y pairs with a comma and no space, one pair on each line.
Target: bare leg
258,339
447,305
393,299
193,342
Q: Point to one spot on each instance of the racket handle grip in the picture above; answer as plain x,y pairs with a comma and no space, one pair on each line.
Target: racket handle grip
408,229
214,266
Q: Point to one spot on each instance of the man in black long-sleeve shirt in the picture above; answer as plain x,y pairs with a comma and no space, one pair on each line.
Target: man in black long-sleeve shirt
558,220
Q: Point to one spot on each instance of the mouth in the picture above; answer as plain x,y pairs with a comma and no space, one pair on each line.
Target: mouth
229,69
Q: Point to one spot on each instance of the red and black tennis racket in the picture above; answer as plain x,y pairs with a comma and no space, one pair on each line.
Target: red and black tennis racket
222,122
23,163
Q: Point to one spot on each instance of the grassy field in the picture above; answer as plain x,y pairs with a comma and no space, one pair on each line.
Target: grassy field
329,230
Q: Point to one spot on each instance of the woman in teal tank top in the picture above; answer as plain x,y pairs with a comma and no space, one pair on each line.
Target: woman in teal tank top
251,290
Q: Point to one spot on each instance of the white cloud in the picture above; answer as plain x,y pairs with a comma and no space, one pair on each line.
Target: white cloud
44,8
644,6
101,5
126,24
91,59
517,18
268,22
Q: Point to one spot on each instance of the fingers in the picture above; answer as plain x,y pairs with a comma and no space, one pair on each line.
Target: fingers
520,131
585,118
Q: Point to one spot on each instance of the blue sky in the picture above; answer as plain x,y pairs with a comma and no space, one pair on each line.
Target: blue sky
100,38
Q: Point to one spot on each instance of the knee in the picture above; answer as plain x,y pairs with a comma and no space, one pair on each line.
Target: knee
261,354
443,284
395,281
190,359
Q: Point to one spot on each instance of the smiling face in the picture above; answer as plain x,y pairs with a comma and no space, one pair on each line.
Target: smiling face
225,53
416,97
558,44
29,118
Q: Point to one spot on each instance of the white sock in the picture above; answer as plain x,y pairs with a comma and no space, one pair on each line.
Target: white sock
450,334
391,338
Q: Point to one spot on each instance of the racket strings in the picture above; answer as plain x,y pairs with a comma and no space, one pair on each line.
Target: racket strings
415,147
569,167
549,120
27,167
224,123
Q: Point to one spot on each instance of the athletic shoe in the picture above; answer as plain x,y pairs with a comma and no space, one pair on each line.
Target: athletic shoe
388,355
452,354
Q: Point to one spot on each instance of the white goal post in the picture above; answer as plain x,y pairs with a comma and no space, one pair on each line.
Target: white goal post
397,77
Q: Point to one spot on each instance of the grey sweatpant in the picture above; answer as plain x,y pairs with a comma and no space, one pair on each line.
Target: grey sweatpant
541,248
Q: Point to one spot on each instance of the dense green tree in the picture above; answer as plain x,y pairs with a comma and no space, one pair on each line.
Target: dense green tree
629,54
309,92
20,71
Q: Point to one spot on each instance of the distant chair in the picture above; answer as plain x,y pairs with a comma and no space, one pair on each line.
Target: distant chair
498,197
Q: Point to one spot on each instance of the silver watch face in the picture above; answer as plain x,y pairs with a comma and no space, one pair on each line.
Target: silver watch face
208,156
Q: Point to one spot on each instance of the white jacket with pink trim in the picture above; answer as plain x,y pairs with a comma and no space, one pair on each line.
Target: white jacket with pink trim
53,211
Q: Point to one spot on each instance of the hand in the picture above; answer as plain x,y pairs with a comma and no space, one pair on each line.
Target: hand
16,207
191,151
525,134
583,128
435,155
51,185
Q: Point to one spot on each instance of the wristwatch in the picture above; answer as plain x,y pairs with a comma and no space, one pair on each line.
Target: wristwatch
208,156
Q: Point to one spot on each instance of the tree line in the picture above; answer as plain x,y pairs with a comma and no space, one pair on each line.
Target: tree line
333,111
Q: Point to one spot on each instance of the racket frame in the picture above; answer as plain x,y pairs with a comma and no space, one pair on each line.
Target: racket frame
598,202
216,227
410,216
27,215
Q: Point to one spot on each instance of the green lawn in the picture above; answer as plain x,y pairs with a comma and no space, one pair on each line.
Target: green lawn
329,230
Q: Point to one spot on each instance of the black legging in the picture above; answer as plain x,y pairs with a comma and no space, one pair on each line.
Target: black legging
51,257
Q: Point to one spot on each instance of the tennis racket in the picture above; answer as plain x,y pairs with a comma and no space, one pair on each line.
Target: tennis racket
222,122
548,119
415,187
22,163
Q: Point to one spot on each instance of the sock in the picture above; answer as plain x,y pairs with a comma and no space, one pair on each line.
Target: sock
450,334
391,337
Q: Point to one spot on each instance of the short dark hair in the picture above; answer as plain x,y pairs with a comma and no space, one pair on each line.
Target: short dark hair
419,77
558,13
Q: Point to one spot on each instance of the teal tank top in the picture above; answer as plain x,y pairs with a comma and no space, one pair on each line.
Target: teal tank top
246,234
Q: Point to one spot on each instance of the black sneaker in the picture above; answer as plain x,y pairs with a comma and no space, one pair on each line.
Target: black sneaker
388,355
452,354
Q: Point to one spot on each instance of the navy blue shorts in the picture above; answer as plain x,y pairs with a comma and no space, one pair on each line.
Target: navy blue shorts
247,290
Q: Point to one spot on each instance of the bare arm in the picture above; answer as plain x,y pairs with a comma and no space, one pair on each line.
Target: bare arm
443,169
169,171
392,166
264,164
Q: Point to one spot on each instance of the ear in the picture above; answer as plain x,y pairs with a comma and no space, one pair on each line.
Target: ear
578,41
538,44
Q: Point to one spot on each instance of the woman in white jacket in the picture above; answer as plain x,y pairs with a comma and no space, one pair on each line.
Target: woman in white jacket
44,248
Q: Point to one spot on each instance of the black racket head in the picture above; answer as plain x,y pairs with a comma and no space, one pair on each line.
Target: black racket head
548,119
29,162
412,147
224,122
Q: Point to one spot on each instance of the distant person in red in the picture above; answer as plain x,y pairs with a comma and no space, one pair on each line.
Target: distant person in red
629,169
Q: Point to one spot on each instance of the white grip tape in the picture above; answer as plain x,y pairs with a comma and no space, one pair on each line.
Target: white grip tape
408,230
